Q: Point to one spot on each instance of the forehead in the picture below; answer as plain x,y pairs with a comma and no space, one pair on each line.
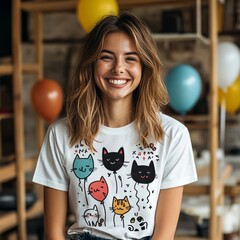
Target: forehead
119,40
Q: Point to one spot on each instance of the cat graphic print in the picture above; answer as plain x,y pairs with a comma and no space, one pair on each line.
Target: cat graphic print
123,198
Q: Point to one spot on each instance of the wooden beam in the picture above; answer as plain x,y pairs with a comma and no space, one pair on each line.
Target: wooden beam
70,5
18,117
6,69
7,172
49,6
214,119
8,221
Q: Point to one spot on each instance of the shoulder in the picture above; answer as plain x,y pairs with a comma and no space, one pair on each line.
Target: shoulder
60,126
170,124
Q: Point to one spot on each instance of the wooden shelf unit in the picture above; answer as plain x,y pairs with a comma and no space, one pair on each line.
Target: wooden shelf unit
14,166
17,68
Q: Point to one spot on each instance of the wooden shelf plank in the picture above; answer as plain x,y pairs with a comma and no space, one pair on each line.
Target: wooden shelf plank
30,68
30,164
162,3
180,37
7,172
204,189
49,6
7,69
4,116
7,220
35,210
70,5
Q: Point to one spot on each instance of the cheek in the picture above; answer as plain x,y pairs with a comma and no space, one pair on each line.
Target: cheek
136,71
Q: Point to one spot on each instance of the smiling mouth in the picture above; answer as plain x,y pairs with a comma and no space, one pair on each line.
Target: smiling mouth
117,81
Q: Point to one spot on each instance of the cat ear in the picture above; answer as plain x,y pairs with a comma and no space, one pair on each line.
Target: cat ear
77,157
151,165
95,207
90,156
121,151
104,151
125,199
102,179
114,199
134,163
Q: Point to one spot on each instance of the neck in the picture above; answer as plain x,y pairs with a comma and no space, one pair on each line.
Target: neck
117,114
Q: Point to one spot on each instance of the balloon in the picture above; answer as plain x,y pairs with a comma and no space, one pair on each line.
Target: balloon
184,87
47,99
89,12
99,189
228,63
231,96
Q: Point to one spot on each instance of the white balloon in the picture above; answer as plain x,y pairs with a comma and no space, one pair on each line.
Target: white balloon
228,64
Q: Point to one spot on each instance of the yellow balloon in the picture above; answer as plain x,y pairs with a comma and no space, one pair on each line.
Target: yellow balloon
231,96
89,12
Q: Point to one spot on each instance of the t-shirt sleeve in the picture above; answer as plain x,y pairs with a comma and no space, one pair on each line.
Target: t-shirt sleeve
50,170
179,167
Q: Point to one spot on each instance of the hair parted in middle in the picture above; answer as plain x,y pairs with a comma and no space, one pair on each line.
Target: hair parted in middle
84,107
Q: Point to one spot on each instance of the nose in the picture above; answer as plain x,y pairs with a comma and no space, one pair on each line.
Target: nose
118,68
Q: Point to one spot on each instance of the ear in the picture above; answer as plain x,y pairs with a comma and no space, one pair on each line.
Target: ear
104,151
102,180
151,165
125,199
114,199
90,156
95,207
121,151
134,164
77,157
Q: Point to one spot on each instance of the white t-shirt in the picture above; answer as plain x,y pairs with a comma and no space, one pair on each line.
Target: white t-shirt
113,192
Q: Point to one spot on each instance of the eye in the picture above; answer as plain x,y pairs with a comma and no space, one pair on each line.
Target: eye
139,172
87,165
117,159
108,159
131,59
105,58
148,173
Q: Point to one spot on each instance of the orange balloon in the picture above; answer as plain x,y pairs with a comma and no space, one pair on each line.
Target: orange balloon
47,99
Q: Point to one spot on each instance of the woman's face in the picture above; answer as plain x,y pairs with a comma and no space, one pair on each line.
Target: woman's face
118,69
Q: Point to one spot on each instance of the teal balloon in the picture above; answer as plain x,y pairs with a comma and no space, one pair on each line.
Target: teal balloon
184,87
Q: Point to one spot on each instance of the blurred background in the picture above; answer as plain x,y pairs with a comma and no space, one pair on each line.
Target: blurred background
40,42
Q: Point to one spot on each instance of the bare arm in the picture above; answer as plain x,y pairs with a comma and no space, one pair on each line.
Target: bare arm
55,212
168,209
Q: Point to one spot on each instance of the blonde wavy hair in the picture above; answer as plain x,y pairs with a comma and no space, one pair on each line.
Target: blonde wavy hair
84,106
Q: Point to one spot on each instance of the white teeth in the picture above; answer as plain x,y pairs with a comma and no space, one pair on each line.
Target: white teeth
117,82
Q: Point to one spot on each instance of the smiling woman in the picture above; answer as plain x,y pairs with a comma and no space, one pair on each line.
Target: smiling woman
118,69
115,149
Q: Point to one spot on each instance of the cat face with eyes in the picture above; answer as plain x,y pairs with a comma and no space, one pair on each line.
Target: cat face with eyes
120,206
113,161
142,173
99,189
91,216
83,167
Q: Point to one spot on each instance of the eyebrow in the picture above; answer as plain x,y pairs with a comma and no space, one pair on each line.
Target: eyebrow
110,52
